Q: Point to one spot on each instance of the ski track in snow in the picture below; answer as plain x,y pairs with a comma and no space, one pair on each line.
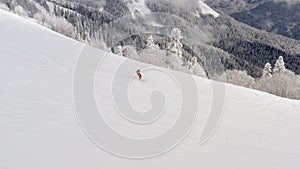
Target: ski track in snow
39,127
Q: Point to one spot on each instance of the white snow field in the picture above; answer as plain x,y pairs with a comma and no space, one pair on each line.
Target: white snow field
39,128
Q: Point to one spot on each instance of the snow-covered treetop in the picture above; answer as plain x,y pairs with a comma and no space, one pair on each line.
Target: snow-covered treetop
118,50
150,41
279,65
176,33
267,72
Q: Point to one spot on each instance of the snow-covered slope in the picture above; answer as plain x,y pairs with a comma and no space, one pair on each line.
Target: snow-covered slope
206,10
39,126
138,6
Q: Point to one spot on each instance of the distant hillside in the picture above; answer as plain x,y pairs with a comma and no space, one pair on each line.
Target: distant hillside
280,16
105,24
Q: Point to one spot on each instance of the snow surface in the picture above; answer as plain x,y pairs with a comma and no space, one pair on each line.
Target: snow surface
39,126
207,10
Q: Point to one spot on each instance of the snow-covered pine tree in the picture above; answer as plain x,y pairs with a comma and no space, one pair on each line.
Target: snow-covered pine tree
267,71
279,65
176,45
176,33
194,61
20,11
118,50
191,63
150,43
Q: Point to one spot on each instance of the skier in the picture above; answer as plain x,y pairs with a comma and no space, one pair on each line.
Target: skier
138,72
